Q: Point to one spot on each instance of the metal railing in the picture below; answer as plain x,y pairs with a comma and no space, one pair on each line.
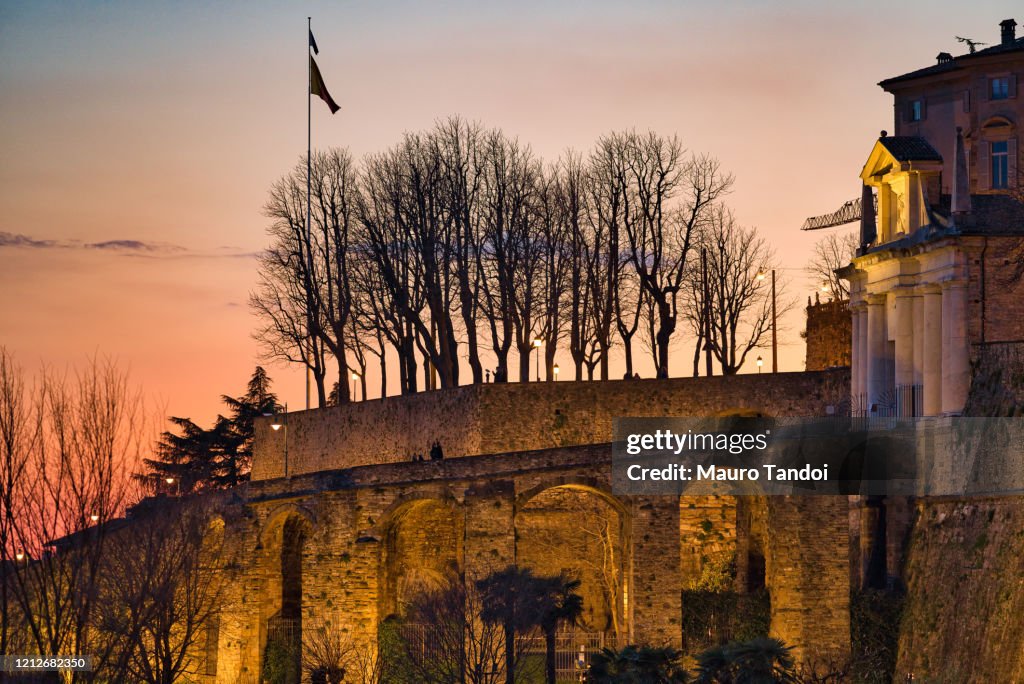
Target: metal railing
573,649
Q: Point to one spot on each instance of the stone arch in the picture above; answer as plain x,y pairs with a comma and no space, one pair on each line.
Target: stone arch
575,525
282,547
421,546
753,528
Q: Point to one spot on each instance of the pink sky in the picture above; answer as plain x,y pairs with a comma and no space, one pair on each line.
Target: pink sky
166,125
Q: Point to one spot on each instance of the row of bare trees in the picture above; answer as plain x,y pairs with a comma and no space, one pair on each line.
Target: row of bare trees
458,246
137,593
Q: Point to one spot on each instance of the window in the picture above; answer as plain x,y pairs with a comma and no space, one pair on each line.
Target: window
915,110
1000,165
1000,88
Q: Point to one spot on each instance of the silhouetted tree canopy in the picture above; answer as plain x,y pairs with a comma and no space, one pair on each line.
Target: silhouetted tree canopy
218,457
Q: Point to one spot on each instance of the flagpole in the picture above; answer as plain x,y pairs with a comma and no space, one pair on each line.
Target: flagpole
309,166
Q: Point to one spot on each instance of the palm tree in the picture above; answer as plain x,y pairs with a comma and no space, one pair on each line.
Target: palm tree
637,664
747,662
561,605
512,599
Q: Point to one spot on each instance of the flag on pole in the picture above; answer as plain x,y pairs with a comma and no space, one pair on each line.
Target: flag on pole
312,44
317,86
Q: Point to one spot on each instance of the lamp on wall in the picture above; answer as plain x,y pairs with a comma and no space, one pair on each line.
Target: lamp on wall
281,421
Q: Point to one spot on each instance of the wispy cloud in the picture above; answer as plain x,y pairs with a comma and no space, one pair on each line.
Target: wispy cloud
125,247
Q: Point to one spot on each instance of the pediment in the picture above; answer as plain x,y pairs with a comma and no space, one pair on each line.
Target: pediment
893,155
880,163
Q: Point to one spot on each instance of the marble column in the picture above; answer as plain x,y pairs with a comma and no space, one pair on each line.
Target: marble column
931,352
904,325
956,366
877,381
856,389
918,338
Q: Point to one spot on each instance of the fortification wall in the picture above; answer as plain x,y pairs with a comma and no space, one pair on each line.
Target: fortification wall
491,419
964,615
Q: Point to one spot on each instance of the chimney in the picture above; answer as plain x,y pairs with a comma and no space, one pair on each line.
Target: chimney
943,57
1009,31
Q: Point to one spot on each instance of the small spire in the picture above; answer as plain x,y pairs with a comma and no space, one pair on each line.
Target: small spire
961,204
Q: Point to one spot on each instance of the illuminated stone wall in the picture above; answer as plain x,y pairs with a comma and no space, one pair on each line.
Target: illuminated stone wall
491,419
375,529
828,335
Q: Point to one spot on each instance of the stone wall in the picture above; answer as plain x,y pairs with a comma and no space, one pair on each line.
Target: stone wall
996,289
964,615
496,418
829,335
997,380
376,532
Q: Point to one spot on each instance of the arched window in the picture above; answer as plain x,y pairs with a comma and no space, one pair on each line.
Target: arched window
997,166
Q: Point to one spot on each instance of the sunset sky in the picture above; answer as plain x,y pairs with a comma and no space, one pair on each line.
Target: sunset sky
138,140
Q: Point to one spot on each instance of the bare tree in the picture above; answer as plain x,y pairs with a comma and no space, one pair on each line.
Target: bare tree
161,587
510,256
90,431
554,243
405,229
738,302
581,260
673,196
832,252
19,435
304,297
458,145
443,639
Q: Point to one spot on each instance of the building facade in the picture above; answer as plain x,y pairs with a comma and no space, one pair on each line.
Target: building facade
938,270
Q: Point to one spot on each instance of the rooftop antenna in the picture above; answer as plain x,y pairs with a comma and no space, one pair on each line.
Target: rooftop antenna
972,45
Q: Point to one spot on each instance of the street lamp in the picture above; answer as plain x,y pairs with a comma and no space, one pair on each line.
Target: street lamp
555,369
536,344
355,376
281,420
20,556
760,362
171,481
775,327
94,517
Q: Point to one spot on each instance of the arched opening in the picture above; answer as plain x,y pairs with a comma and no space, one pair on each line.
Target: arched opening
285,541
755,570
707,536
581,531
422,545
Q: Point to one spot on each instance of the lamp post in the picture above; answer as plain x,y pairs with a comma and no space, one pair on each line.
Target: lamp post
355,376
555,369
279,422
775,327
760,362
536,345
171,482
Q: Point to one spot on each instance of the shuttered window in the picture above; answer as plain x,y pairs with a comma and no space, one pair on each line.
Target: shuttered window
1000,165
